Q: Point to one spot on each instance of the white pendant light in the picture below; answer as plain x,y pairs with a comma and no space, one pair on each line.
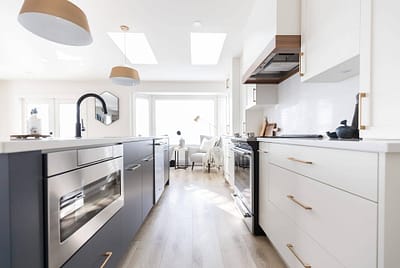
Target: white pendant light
124,75
59,21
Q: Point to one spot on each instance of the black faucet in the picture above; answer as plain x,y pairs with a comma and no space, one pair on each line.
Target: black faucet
78,126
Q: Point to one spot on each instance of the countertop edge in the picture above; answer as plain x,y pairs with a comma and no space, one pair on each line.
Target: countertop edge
376,146
18,146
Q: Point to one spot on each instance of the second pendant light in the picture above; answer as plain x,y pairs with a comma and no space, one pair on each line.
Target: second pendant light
124,75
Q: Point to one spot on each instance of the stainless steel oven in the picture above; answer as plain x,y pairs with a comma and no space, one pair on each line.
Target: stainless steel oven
243,183
246,181
84,190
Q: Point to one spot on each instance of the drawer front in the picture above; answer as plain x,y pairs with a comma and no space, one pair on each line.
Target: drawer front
339,221
94,253
356,172
282,232
264,146
137,150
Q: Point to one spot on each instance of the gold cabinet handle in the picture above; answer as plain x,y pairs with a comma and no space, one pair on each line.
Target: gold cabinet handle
361,95
108,255
291,248
291,197
300,65
300,161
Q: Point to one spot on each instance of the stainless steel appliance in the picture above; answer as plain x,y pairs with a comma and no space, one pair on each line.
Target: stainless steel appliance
84,190
161,167
246,181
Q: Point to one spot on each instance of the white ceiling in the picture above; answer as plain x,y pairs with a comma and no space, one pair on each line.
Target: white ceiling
166,23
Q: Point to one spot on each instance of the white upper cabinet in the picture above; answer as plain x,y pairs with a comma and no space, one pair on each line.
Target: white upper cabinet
379,69
267,19
258,96
330,46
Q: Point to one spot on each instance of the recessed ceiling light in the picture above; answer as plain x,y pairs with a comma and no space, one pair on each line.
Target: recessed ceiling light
206,47
197,23
138,50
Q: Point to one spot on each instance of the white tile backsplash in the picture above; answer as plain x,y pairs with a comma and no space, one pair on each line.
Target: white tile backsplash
313,108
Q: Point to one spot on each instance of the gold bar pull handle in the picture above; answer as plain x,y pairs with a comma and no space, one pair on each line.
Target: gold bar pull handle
300,64
291,197
291,248
361,95
108,255
300,161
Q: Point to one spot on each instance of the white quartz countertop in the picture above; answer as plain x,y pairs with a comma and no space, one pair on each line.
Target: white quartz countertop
14,146
384,146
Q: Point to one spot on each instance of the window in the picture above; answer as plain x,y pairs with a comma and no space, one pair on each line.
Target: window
172,115
66,119
142,117
58,116
45,110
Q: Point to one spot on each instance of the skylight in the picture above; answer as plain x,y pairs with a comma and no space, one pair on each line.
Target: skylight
138,50
206,47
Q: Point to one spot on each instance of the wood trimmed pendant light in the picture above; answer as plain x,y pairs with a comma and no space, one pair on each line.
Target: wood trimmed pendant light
59,21
124,75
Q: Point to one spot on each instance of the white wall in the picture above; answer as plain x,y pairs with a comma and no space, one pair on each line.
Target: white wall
313,108
11,93
184,87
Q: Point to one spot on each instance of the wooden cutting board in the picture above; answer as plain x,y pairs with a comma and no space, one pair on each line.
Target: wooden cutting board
269,130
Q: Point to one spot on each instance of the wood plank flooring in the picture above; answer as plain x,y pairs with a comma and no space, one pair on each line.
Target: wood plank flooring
195,224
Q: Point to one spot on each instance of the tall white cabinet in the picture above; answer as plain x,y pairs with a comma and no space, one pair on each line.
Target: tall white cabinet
379,69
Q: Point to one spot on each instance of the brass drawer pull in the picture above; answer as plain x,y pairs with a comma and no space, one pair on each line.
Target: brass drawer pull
108,255
291,197
300,161
361,95
291,248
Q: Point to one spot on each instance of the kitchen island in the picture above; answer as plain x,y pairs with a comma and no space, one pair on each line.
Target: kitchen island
24,179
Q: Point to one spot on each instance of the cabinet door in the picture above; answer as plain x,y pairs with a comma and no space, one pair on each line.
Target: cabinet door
93,253
379,109
5,253
147,185
132,210
330,40
137,150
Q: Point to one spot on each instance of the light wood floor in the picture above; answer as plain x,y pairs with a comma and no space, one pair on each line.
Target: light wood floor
195,224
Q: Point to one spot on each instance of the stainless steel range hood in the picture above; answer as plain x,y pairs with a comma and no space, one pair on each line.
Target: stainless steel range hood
279,61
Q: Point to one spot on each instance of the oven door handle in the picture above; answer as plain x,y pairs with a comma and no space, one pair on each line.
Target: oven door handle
241,152
241,207
133,168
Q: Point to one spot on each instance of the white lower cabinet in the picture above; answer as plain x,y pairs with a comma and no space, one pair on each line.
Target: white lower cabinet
304,251
340,222
228,161
316,221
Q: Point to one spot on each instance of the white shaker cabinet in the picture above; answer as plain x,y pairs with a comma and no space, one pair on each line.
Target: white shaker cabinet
329,40
379,69
331,207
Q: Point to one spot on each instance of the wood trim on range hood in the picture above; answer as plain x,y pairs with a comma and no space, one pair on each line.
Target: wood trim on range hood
279,44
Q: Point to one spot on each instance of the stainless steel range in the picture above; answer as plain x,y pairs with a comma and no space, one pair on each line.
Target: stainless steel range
246,181
84,190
